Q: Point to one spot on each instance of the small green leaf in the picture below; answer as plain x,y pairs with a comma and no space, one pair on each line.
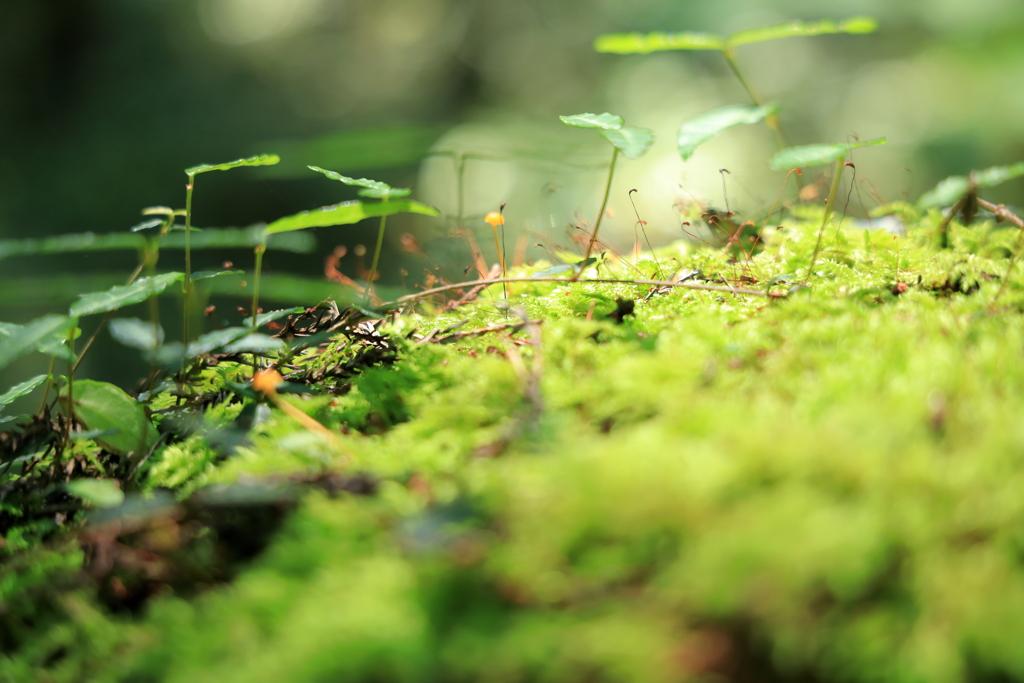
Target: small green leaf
950,190
103,406
102,493
138,334
260,160
123,295
632,142
215,340
41,332
255,343
815,155
698,130
19,390
270,316
638,43
209,274
347,213
996,175
374,188
563,268
946,193
603,121
146,225
856,25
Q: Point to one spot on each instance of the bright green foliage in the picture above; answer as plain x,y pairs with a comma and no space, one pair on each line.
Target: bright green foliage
19,390
138,334
695,131
830,478
260,160
103,406
637,43
808,156
347,213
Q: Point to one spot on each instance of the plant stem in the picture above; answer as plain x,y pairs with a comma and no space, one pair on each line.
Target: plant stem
600,215
260,248
188,256
376,253
501,253
1004,214
833,189
772,119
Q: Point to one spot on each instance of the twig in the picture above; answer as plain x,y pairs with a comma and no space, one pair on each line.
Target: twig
1004,214
655,283
465,334
473,293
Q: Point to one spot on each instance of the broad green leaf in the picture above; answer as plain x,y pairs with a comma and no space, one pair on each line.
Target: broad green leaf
347,213
639,43
603,121
124,295
855,25
39,332
102,493
211,238
260,160
255,343
374,188
632,142
104,406
698,130
138,334
52,345
19,390
815,155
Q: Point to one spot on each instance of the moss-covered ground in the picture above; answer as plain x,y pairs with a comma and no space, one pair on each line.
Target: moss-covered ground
822,485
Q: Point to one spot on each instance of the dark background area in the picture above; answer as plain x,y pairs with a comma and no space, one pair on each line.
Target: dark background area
103,103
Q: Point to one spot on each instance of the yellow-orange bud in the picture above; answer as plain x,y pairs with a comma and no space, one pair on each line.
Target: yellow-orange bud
495,219
267,381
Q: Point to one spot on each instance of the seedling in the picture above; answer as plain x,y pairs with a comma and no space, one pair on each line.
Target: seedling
377,190
637,43
261,160
819,155
632,142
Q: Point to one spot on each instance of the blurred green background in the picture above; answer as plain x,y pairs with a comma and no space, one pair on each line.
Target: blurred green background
105,102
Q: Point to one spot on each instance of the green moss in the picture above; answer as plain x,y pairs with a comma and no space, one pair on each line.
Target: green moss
826,484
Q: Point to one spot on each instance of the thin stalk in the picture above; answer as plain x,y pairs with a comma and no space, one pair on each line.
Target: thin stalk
600,215
501,252
376,253
260,248
836,175
49,383
772,119
71,385
188,256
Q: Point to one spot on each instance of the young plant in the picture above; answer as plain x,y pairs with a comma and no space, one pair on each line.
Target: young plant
636,43
960,194
347,213
632,142
261,160
809,156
